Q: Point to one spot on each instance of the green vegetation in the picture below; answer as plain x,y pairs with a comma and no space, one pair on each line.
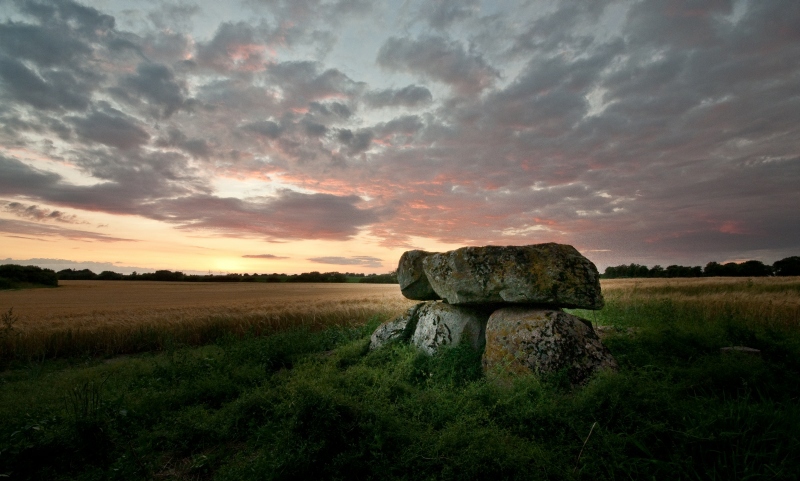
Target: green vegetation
789,266
13,276
318,405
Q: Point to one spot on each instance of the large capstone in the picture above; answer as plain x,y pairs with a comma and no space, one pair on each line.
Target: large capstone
412,279
543,341
398,329
548,275
441,324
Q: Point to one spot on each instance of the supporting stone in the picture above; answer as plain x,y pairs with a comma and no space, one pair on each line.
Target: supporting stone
525,339
441,324
398,329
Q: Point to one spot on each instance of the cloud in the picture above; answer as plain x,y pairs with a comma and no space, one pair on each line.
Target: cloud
356,142
50,90
37,213
409,96
265,128
302,82
234,47
44,46
263,256
638,129
362,261
61,264
288,215
25,228
439,59
440,14
193,146
111,127
155,84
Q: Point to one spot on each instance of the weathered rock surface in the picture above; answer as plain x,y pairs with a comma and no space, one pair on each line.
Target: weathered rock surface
412,279
524,339
547,275
398,329
441,324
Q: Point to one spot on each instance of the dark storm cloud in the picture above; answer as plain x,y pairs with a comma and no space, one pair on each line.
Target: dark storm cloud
363,261
155,84
111,127
439,59
409,96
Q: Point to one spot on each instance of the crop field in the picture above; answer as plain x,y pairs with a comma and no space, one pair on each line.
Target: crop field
765,301
112,317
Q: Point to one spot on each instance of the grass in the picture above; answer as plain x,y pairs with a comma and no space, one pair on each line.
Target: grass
305,404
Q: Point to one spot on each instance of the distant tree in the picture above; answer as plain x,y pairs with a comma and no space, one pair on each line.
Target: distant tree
110,276
789,266
12,274
76,275
657,271
712,269
388,278
754,269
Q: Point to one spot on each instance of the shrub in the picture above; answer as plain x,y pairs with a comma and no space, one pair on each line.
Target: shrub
28,274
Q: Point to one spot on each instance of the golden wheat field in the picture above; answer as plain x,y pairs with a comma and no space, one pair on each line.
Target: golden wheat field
111,316
773,301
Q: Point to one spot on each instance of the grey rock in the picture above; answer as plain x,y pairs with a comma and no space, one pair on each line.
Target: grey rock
412,279
443,324
398,329
547,275
524,339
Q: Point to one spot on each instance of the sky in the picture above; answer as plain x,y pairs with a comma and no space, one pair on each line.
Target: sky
292,136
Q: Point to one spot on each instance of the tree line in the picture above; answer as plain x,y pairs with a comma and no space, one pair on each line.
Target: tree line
178,276
789,266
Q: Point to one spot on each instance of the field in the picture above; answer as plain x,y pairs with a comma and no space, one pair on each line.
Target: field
283,387
113,317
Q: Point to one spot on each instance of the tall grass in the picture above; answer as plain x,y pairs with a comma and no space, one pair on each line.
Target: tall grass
118,333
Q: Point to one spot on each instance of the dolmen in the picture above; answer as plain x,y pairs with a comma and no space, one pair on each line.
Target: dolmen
505,301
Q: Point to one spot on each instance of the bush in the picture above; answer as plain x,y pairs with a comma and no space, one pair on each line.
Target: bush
13,273
790,266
